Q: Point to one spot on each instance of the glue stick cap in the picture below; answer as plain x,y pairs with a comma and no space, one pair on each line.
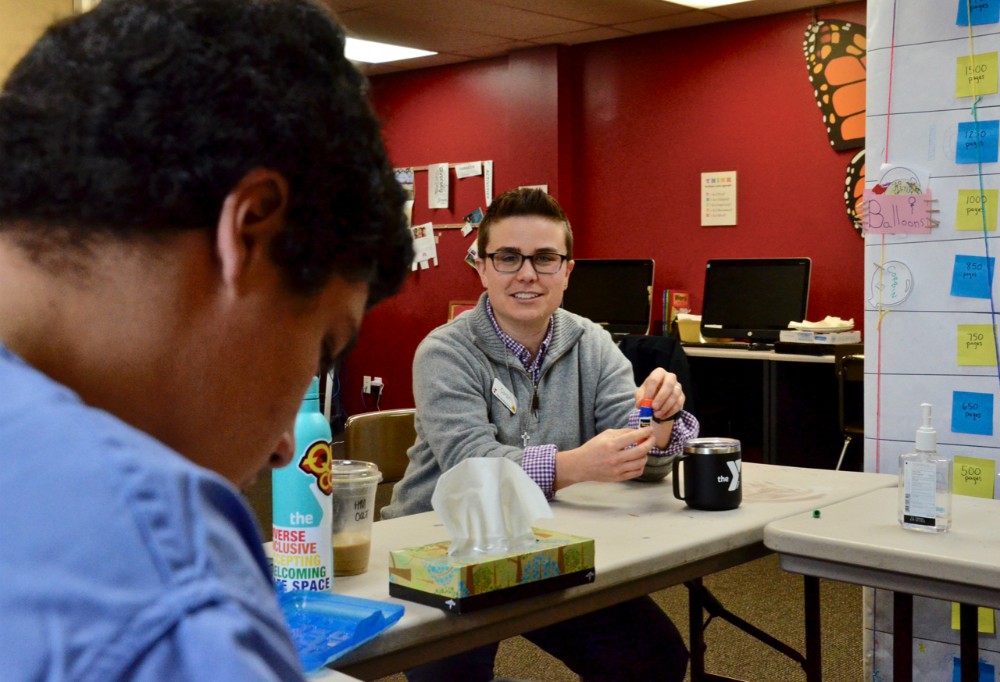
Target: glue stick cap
926,435
646,402
645,408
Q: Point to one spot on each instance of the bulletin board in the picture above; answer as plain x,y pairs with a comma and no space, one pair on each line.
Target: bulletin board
930,254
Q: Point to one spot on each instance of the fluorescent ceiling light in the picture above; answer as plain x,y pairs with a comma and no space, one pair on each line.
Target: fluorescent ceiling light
705,4
371,52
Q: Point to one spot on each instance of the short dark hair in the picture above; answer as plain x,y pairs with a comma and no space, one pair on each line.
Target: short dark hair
527,201
136,119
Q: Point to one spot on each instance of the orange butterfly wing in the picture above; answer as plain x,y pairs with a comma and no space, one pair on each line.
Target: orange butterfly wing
836,56
854,190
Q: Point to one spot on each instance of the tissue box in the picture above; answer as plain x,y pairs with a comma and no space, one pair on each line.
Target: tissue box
427,574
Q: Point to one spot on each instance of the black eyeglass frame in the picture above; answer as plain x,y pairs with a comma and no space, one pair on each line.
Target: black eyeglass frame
562,259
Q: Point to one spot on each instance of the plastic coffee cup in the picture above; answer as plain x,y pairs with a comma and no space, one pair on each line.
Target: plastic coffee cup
354,485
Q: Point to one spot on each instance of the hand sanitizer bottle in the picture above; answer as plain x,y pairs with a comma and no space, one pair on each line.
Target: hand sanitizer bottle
925,483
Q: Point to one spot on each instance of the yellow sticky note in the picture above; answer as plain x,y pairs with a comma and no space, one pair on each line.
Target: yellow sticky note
969,211
974,477
986,625
976,75
976,345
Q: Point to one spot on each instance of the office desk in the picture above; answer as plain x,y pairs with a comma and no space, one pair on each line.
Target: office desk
645,541
861,542
781,406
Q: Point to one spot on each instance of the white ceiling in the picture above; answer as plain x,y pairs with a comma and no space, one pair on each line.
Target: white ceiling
463,30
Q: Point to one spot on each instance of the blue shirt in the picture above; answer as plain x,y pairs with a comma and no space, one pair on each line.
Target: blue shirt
119,558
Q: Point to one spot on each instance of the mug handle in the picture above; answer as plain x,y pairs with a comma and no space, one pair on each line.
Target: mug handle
677,465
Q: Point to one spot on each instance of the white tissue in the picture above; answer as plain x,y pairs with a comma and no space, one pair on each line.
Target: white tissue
487,505
826,323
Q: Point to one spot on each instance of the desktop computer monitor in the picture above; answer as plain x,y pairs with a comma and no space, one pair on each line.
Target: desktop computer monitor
616,293
754,298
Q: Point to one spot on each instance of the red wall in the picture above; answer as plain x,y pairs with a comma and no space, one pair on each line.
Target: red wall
620,131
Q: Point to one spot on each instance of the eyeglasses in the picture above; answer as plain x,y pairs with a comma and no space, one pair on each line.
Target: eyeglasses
544,262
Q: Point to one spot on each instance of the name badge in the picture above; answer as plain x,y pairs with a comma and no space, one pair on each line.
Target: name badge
504,395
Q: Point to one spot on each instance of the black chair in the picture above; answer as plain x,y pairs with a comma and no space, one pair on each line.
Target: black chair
646,353
850,371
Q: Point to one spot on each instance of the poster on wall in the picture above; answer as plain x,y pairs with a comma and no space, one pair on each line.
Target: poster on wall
718,199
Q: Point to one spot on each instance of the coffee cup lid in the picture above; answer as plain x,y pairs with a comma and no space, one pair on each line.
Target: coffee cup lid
712,446
354,470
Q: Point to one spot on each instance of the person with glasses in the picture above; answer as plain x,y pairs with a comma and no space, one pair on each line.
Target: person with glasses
519,377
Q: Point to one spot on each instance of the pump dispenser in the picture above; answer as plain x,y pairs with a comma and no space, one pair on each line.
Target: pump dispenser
925,482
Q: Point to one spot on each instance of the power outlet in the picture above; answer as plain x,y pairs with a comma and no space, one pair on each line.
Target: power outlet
366,385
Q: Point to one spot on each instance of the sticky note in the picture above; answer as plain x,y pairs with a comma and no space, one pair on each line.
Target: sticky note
897,213
986,624
977,13
976,74
972,276
977,142
974,476
969,209
972,413
976,345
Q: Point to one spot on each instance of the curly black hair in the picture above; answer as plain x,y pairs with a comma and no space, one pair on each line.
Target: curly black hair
137,118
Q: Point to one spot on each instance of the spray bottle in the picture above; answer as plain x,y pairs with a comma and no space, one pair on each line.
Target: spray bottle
925,483
302,505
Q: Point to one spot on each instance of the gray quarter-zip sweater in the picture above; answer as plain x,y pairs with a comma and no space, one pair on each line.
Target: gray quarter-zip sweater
586,386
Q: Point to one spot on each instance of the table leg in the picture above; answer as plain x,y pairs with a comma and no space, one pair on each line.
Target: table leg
697,632
814,647
968,619
902,638
769,381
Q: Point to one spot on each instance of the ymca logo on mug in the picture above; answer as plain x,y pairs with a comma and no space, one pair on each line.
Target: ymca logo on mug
707,475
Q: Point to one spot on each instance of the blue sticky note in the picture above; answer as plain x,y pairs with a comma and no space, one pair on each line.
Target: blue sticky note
977,142
972,413
983,12
987,673
972,276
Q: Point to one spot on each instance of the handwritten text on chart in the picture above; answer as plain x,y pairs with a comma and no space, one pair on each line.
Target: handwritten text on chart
897,213
977,142
976,75
972,413
970,207
972,276
976,345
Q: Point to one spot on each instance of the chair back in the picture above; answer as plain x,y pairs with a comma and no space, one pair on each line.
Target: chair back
383,438
649,352
850,371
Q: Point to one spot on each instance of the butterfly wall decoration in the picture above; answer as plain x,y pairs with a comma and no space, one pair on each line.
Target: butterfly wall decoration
836,57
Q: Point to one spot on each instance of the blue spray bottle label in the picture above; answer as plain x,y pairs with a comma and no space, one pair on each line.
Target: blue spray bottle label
302,547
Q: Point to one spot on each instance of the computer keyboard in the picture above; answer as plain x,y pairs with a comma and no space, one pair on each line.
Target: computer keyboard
732,345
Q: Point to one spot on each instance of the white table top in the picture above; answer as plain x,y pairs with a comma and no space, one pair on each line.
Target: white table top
645,540
860,541
759,355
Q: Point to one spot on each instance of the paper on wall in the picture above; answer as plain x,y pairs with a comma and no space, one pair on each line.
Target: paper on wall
437,185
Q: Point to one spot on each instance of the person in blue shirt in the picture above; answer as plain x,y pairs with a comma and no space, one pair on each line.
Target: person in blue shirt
196,211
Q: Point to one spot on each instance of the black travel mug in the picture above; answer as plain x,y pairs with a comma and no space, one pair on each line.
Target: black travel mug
711,469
